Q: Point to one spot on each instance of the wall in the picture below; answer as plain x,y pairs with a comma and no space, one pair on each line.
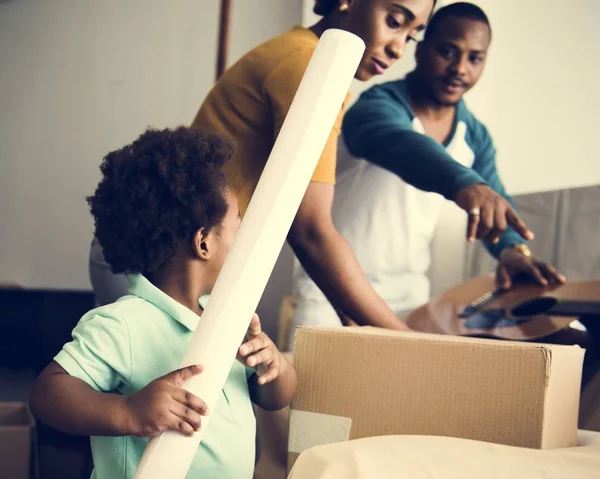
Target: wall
536,95
81,78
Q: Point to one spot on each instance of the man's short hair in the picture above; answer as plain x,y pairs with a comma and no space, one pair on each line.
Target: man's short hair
456,10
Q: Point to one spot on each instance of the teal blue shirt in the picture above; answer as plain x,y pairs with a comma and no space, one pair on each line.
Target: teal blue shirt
378,128
121,347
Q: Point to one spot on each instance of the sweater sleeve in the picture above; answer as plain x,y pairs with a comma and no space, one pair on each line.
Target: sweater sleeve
485,166
379,129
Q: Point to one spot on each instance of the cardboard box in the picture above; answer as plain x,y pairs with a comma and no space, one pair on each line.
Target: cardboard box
363,382
16,441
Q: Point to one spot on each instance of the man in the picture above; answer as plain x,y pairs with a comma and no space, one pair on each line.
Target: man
418,131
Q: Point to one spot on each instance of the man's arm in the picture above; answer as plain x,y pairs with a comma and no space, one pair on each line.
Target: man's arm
485,166
380,130
511,261
330,262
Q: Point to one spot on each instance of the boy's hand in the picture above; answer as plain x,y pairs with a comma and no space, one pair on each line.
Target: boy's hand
260,353
164,405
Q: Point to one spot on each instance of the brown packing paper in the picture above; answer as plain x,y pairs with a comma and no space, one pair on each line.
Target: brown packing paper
425,457
389,383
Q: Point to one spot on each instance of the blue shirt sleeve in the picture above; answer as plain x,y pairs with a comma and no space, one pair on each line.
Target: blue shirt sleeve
485,166
379,129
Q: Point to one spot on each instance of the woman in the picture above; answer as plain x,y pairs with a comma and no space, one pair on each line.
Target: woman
249,104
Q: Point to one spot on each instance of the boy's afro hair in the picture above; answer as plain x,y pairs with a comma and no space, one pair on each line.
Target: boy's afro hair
156,193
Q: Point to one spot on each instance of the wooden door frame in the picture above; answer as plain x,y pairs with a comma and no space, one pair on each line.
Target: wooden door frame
223,39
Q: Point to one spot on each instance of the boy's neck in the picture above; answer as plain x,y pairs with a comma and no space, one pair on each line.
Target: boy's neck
183,285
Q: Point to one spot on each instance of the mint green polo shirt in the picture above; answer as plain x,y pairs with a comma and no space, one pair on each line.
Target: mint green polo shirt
123,346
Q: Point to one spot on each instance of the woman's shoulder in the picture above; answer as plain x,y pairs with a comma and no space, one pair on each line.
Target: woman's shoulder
293,49
296,39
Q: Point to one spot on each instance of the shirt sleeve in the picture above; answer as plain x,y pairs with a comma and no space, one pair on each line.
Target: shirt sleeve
280,87
99,353
485,165
379,129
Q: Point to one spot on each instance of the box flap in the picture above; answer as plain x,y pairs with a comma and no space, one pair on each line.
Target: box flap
562,398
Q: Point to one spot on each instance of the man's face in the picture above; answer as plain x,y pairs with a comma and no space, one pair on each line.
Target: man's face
451,61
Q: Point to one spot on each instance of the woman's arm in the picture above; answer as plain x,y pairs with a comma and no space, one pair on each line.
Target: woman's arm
329,260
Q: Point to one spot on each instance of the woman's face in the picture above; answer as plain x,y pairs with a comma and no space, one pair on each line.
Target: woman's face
386,26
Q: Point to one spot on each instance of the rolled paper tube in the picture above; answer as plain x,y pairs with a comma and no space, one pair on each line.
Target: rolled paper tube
262,233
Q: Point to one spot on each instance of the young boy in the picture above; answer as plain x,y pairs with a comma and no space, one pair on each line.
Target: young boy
166,217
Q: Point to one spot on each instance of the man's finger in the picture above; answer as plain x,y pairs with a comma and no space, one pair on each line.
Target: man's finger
473,224
551,274
503,279
486,221
499,225
518,224
179,376
536,274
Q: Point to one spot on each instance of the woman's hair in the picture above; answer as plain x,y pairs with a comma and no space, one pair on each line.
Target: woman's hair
325,7
156,193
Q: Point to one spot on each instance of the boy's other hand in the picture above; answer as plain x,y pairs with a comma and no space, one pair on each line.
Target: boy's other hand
164,405
260,353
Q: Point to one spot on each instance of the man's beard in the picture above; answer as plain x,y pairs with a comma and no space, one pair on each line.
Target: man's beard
439,102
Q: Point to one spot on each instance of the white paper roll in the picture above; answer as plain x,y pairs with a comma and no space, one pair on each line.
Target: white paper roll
262,233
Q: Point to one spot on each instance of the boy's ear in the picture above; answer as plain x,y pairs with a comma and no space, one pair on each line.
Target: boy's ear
204,245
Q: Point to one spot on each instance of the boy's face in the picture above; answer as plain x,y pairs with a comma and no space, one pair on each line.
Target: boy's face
452,60
228,229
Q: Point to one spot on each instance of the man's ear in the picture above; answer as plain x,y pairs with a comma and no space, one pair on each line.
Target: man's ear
204,244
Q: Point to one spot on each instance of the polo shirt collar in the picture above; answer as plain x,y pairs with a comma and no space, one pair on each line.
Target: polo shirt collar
142,288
